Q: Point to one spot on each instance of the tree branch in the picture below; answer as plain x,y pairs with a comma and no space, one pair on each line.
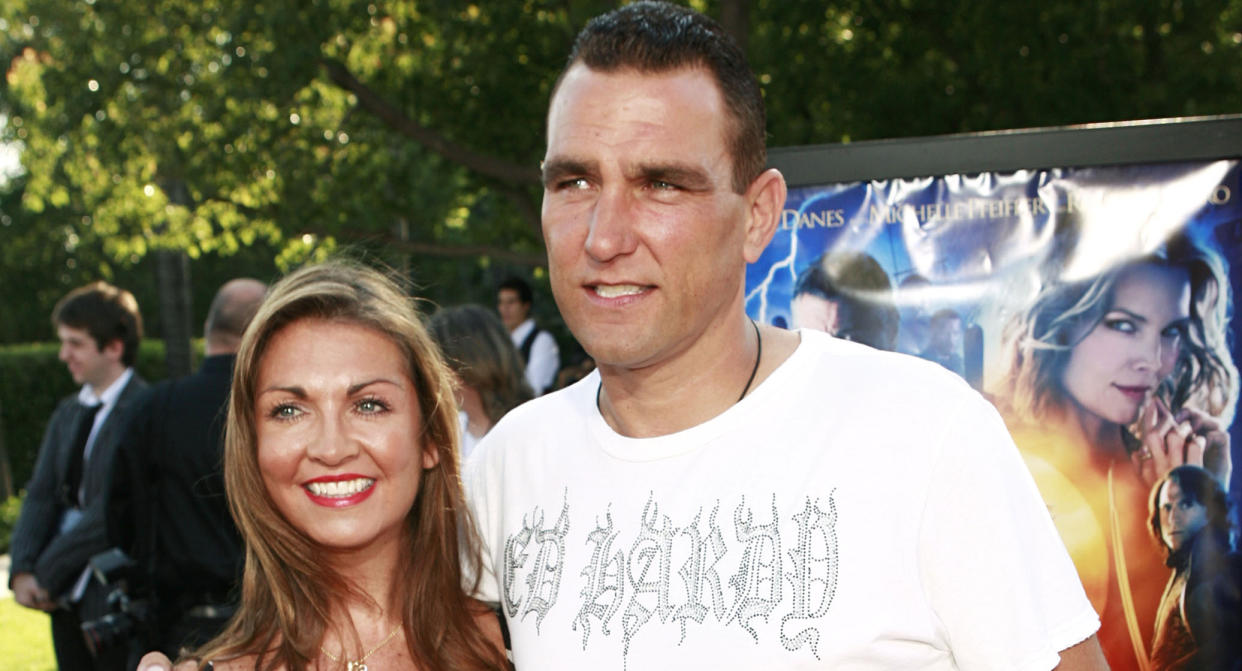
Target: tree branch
504,171
413,246
394,243
526,206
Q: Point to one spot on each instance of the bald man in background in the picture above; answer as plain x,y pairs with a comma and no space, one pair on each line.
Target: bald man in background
167,508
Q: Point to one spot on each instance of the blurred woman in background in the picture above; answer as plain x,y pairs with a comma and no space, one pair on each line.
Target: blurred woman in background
490,380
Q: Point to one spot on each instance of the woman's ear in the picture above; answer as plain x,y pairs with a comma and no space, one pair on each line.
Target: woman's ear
431,455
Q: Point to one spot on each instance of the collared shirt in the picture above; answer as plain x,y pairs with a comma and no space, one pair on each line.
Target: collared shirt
88,396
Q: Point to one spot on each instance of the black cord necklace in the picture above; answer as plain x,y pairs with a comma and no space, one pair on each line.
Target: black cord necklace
754,369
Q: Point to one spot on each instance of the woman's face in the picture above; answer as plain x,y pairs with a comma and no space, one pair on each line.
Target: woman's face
1117,366
1180,517
338,426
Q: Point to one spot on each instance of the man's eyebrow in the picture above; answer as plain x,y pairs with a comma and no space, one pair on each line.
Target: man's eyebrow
557,169
677,174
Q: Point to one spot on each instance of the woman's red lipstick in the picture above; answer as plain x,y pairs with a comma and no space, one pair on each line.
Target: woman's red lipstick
1134,393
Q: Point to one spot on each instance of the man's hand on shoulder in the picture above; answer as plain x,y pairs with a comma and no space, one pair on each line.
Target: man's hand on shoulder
28,592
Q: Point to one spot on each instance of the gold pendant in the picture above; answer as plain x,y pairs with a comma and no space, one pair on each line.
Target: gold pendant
356,666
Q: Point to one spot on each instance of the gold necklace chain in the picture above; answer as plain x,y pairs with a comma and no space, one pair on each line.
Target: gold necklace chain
357,664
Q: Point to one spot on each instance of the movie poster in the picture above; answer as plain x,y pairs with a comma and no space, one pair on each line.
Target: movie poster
1094,308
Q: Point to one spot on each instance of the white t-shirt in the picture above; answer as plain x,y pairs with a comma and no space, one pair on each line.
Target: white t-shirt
858,510
545,356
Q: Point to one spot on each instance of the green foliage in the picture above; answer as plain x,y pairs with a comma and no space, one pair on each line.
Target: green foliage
32,381
870,69
411,131
8,519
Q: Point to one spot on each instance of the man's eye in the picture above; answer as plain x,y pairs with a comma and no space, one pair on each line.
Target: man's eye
574,183
661,185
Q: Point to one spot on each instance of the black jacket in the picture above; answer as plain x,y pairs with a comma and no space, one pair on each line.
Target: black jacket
58,559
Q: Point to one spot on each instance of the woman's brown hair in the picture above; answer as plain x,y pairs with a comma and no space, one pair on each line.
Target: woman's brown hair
287,595
1041,339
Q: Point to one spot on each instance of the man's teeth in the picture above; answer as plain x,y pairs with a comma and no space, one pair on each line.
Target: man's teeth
615,290
340,488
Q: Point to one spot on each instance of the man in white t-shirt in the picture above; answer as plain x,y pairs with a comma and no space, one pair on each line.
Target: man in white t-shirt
720,494
540,354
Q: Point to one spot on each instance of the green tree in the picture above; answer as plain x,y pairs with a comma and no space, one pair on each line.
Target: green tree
413,130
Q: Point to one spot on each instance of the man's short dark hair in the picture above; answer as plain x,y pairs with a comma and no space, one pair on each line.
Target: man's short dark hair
1198,486
659,37
862,290
520,286
106,312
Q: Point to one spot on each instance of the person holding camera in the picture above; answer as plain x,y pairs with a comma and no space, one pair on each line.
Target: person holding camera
99,328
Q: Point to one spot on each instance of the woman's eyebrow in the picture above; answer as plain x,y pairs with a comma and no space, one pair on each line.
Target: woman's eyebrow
355,388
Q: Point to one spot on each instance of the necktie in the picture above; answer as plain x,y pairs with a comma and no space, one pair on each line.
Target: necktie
73,480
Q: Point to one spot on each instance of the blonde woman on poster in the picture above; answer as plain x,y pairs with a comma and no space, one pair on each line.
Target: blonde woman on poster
1114,380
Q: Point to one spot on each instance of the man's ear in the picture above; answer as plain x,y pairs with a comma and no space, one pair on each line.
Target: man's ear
765,198
114,349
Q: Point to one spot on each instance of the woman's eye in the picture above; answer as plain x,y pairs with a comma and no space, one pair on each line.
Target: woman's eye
1121,325
371,405
285,411
1176,331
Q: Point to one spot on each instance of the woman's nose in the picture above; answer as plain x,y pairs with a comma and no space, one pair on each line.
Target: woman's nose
331,444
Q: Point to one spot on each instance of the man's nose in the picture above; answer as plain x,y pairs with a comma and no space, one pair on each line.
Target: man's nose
611,226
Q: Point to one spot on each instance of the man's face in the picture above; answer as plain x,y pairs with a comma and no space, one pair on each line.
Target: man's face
808,311
647,241
87,363
511,308
1181,518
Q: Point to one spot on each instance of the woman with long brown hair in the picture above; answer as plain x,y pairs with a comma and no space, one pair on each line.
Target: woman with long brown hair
341,466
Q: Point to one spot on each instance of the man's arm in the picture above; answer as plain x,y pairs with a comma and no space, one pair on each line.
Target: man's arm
1085,656
62,561
41,509
996,572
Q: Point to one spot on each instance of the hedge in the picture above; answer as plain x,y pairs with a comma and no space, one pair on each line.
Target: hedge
32,382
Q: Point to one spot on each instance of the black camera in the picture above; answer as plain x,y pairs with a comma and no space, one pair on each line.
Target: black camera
126,617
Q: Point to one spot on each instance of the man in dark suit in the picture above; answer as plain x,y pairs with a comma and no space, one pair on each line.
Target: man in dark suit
167,507
99,328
